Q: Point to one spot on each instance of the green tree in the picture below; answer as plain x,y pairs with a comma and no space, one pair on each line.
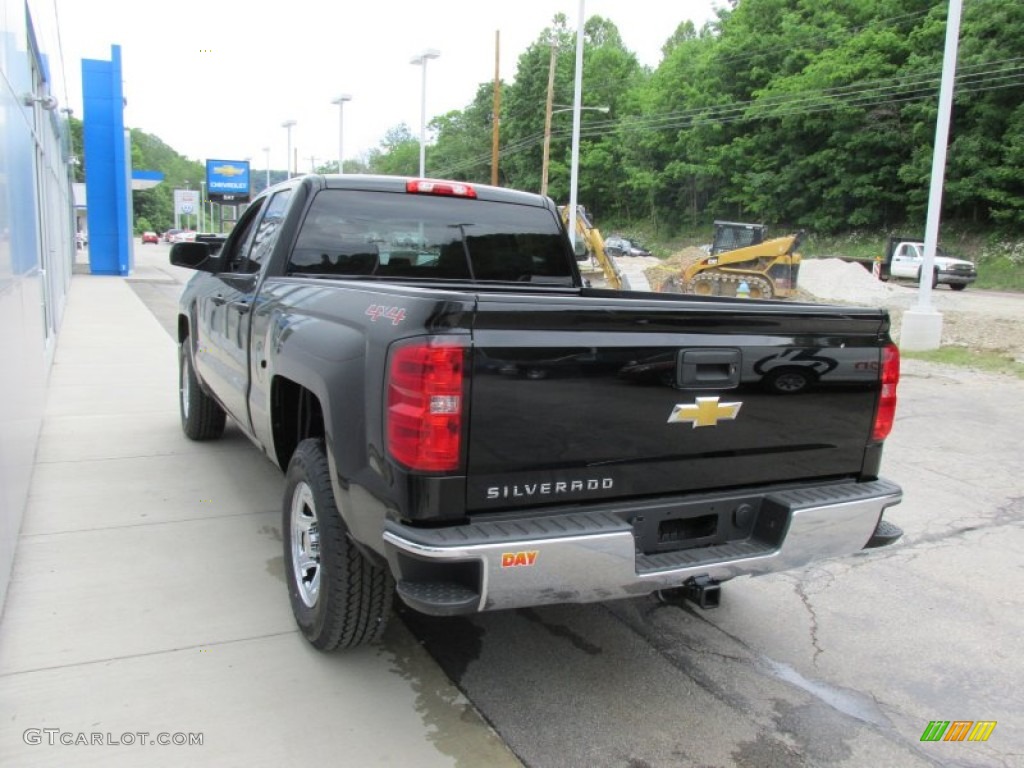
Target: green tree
156,205
76,148
464,140
398,154
985,172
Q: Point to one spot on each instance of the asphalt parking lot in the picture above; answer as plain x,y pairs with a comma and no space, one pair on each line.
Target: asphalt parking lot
844,663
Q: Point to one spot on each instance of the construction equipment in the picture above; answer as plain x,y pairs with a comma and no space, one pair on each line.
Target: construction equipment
590,245
743,263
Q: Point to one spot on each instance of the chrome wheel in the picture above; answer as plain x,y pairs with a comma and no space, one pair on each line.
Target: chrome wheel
202,418
305,540
183,386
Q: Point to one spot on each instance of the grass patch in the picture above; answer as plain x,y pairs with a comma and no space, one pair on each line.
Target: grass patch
855,245
982,360
1000,274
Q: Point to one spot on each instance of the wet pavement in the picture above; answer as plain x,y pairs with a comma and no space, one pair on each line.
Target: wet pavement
147,602
843,663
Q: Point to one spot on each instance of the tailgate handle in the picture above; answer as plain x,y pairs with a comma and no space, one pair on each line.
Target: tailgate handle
708,368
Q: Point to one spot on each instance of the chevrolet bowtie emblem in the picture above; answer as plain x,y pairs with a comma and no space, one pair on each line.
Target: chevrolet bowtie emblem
228,170
706,412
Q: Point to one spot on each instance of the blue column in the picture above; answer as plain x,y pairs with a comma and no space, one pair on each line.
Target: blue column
107,174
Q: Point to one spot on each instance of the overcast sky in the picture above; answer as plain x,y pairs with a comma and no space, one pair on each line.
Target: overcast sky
215,79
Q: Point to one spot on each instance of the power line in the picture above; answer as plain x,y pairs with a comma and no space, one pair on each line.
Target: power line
803,104
901,87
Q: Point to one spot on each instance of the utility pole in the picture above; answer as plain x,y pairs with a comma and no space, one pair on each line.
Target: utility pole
496,119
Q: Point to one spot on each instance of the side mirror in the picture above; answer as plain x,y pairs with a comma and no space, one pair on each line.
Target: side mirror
196,256
215,242
580,248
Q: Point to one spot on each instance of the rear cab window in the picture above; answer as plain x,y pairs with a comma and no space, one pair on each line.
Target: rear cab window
375,234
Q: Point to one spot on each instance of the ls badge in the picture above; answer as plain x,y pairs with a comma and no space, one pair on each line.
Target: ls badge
706,412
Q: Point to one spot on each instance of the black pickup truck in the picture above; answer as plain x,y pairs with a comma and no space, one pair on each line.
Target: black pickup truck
462,421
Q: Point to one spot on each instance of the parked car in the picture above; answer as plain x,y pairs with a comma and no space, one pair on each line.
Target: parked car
150,237
623,246
169,234
184,237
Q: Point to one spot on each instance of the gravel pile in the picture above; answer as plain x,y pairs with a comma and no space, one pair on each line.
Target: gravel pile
972,319
844,281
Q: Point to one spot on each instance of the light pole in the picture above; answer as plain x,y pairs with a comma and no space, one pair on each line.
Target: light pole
187,189
288,125
340,101
266,151
922,324
202,197
421,61
577,100
547,143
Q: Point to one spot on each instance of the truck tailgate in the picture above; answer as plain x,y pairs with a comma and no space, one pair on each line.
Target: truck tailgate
602,396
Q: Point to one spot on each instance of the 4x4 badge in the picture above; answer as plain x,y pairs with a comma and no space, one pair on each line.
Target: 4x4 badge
706,412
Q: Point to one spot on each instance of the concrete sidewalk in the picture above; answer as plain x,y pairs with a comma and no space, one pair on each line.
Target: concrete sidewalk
148,590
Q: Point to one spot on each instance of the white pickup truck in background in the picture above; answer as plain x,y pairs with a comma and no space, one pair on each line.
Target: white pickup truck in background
904,258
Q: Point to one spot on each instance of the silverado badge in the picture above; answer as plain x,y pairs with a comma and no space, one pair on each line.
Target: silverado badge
706,412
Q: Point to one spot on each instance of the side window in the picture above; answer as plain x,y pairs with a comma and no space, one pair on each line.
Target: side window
236,258
269,226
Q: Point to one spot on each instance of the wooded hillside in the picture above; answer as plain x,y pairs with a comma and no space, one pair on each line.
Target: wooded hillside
811,114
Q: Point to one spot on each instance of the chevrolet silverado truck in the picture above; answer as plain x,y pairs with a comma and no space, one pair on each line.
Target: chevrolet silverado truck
462,422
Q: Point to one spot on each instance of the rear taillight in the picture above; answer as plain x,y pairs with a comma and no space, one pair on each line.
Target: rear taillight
886,412
425,401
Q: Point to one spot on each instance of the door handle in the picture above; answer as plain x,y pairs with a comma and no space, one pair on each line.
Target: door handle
241,307
708,368
218,300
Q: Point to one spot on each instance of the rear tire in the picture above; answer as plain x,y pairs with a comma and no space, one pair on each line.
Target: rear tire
760,288
958,286
202,418
339,598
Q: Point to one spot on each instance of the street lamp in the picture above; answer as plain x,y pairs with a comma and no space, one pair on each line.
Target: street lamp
288,125
421,60
547,143
202,197
266,151
340,101
577,101
187,188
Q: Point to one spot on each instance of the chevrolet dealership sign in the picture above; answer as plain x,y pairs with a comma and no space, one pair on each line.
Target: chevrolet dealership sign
227,180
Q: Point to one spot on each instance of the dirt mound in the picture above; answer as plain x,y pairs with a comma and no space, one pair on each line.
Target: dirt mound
673,266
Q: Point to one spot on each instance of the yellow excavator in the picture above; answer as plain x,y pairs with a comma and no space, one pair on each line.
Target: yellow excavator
743,263
589,243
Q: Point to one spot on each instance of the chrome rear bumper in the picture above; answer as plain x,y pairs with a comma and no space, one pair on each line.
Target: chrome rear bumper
593,556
